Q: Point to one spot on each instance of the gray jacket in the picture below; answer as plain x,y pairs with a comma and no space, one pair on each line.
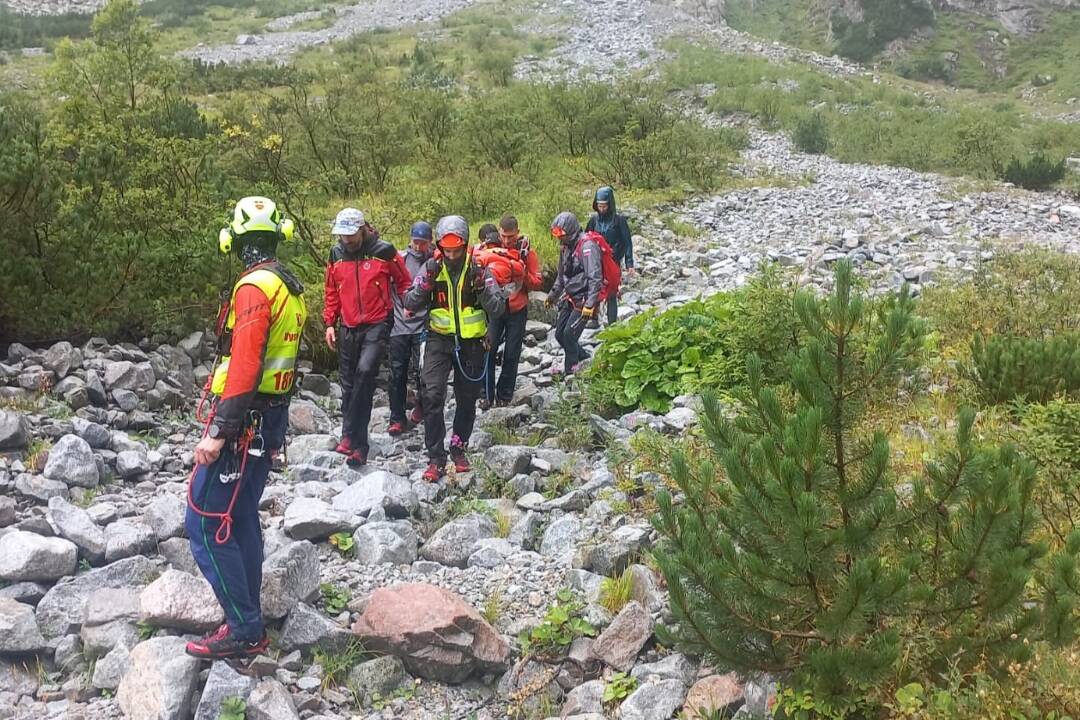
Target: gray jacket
414,261
581,270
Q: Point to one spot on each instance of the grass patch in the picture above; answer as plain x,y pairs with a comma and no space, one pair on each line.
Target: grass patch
615,591
337,664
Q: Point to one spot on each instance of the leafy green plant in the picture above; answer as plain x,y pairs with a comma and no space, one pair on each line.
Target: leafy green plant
618,688
335,598
146,630
233,708
344,542
652,358
561,625
615,591
493,606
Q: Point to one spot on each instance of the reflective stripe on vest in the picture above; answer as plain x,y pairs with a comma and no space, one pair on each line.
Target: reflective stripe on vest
444,320
287,315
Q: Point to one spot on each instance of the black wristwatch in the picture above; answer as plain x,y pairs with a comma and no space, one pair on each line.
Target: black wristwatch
214,432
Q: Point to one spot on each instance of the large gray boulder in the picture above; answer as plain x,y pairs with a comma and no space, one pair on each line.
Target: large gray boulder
290,576
378,489
125,538
653,701
506,461
309,518
561,537
19,631
222,683
180,601
62,358
454,542
60,612
14,432
160,682
71,461
271,701
126,375
110,621
306,628
165,516
619,643
73,523
385,542
28,556
110,670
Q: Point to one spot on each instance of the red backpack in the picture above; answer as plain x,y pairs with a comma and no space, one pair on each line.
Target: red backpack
611,270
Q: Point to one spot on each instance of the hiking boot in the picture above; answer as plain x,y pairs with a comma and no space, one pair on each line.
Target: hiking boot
433,473
417,415
395,429
344,447
484,404
503,403
457,455
221,645
356,458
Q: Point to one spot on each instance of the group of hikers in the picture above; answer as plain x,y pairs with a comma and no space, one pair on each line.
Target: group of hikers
442,305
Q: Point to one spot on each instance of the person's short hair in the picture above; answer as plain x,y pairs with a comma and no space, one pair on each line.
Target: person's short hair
488,233
508,223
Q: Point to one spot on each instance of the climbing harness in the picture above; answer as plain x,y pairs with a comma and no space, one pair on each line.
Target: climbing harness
249,443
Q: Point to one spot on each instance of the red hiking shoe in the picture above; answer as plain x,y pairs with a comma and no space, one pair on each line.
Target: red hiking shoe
221,645
457,455
417,415
395,429
356,458
434,472
344,447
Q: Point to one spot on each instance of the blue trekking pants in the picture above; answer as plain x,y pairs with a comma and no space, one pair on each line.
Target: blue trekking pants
234,568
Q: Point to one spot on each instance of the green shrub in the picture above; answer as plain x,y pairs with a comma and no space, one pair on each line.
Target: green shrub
1038,172
652,358
811,135
792,549
1009,368
1050,435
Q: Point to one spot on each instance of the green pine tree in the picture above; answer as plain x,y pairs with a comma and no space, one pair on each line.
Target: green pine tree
792,551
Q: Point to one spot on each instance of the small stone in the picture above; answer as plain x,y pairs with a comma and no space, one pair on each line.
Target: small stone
125,538
561,537
132,464
74,524
110,670
14,432
675,666
585,698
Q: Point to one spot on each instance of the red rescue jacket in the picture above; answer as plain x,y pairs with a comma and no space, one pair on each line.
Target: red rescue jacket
359,285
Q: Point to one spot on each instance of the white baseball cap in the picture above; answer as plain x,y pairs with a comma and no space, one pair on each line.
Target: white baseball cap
348,222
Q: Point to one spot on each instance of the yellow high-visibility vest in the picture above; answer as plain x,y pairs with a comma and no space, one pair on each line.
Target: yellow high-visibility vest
287,315
454,308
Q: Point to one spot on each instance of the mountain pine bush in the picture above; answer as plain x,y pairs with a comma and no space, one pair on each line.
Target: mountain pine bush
1038,172
811,135
795,549
1008,368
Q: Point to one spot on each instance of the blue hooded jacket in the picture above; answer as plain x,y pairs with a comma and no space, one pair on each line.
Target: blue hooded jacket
613,227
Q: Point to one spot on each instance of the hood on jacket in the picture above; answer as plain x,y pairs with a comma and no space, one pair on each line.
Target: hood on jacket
605,194
452,225
569,223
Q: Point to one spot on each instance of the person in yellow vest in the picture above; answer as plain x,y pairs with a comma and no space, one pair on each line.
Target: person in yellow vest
459,296
258,348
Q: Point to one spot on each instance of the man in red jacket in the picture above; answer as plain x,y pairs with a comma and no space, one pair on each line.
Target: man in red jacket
361,274
510,328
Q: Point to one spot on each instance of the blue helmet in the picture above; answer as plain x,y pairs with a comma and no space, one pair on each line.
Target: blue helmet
421,230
